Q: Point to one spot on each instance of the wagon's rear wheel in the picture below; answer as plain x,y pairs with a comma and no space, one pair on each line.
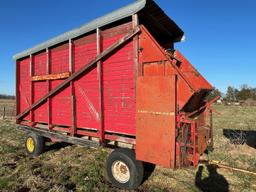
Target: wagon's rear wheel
123,170
34,144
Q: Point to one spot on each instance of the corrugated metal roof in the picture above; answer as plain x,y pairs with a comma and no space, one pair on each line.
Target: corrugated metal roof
105,20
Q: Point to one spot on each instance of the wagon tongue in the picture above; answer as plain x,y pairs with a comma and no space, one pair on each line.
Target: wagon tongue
192,88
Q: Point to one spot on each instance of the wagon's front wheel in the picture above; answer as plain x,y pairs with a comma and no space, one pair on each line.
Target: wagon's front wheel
123,170
34,144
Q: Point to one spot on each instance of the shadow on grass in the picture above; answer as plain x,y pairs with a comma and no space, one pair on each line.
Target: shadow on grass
213,183
240,137
148,170
23,189
56,146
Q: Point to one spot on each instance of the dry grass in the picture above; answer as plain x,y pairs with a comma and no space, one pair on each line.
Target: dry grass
73,168
9,106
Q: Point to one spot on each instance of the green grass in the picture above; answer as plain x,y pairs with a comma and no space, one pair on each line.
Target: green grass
75,168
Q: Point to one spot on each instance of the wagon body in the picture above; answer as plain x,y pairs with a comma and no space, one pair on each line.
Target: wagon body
118,79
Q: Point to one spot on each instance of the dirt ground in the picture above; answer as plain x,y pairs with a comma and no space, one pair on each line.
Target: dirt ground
66,167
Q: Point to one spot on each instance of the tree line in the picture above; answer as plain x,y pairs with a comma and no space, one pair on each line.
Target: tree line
235,95
3,96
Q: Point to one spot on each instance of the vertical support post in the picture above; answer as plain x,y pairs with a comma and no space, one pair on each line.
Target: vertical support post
99,69
194,133
17,90
73,97
48,70
137,66
31,90
135,24
211,129
173,138
4,113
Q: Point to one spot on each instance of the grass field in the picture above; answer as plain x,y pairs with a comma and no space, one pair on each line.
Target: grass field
7,108
74,168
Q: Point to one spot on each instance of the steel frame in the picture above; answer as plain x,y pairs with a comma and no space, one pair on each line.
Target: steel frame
193,156
60,136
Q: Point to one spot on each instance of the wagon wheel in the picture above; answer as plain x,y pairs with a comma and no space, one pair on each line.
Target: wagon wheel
34,144
123,170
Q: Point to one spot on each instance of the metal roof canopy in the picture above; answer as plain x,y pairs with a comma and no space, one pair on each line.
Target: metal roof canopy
148,9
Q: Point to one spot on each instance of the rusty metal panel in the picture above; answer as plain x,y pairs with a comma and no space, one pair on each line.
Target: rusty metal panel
195,78
154,69
150,50
155,119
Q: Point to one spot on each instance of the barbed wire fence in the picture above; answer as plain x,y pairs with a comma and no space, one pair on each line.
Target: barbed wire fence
236,137
7,111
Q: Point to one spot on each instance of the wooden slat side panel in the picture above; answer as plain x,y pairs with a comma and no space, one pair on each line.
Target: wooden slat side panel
60,59
87,101
24,85
60,103
39,64
118,83
116,31
40,88
60,90
40,114
85,50
87,87
61,106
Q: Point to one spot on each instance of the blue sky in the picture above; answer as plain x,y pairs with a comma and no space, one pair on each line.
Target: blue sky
220,34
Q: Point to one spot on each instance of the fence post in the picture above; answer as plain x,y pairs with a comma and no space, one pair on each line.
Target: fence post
4,113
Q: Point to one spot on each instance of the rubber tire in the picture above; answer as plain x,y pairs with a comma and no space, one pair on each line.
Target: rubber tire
39,142
135,167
